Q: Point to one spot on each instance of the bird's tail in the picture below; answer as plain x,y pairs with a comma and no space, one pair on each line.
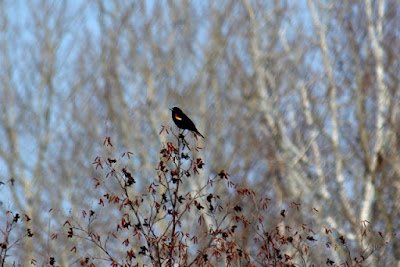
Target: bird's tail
200,134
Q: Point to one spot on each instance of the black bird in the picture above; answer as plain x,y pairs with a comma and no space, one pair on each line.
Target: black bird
183,121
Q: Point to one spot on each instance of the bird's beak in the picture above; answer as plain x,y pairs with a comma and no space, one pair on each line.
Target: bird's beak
170,109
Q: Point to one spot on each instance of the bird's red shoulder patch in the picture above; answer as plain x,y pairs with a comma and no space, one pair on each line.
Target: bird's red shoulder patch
177,117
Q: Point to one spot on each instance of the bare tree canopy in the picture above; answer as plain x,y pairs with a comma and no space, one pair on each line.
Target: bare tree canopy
298,100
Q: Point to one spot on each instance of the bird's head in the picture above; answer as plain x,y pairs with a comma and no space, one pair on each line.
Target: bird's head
176,110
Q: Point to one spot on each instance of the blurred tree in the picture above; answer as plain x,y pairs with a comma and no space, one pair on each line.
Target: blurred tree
299,99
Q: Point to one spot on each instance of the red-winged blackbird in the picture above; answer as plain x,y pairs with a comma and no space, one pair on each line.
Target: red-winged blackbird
183,121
